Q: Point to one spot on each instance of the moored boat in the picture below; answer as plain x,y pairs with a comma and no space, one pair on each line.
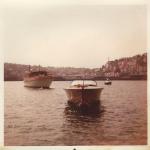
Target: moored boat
107,82
37,79
83,93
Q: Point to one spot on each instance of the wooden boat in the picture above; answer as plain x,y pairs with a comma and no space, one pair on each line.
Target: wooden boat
37,79
107,82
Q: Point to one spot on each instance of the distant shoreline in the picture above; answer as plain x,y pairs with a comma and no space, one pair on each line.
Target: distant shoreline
131,68
120,79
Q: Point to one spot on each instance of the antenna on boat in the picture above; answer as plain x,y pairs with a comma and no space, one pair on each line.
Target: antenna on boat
82,89
83,81
29,68
39,67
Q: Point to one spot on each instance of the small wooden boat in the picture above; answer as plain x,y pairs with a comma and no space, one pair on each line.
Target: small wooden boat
107,82
37,79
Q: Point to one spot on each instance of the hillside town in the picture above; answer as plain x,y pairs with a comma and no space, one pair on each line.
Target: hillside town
129,68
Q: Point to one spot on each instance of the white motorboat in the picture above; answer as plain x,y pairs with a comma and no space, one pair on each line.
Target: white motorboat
37,79
83,93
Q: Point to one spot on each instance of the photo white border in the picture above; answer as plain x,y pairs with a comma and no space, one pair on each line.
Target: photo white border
70,2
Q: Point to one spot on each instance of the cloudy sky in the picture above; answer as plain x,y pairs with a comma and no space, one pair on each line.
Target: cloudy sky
73,35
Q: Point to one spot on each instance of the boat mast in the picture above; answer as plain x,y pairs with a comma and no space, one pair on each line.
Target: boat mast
83,81
29,68
39,67
108,64
82,92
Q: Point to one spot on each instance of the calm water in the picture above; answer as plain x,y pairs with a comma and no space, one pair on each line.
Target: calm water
39,116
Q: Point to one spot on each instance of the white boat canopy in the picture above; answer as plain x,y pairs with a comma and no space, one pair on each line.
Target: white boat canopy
84,83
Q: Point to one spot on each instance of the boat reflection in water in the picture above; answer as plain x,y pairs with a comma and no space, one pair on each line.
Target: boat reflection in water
93,111
84,96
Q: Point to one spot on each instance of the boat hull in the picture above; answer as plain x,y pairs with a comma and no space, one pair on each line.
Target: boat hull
107,83
38,83
79,96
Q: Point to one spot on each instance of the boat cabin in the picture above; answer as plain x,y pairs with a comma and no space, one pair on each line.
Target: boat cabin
83,83
36,73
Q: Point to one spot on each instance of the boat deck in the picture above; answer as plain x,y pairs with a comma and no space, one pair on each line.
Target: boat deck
88,87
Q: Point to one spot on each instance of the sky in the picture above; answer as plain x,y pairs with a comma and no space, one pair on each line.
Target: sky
73,35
